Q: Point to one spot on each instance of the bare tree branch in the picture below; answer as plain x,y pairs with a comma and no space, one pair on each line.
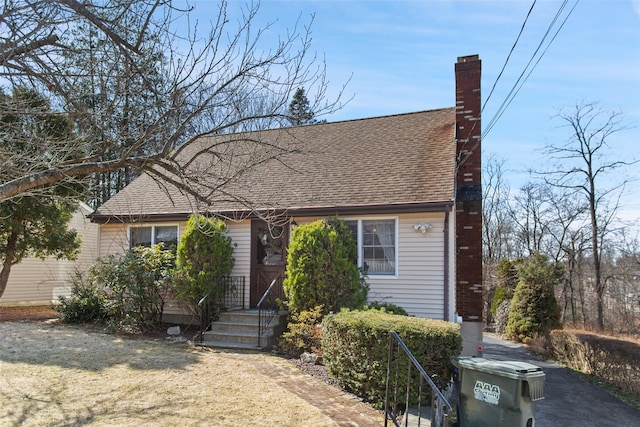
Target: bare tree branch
141,88
583,167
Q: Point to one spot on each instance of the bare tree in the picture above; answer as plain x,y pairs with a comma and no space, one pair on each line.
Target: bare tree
530,212
583,169
623,282
196,85
497,227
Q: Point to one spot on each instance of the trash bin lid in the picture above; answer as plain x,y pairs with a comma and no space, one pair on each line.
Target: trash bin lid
509,369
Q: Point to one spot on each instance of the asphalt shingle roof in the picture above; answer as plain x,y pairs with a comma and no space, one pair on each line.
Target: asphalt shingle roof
399,159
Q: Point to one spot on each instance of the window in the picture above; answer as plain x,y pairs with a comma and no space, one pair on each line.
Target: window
379,246
270,245
140,236
353,225
147,236
376,245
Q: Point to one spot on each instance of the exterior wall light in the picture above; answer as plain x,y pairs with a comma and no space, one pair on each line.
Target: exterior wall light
422,228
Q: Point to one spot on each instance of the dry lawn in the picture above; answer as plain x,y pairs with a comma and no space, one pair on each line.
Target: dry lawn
58,375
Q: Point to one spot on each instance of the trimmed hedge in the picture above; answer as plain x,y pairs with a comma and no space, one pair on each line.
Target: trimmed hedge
356,349
613,360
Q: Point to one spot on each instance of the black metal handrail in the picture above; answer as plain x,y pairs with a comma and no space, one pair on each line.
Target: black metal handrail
268,306
395,409
227,293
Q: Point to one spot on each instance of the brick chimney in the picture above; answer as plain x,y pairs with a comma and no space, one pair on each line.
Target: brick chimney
468,203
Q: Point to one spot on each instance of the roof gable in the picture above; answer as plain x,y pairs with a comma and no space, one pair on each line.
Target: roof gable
400,159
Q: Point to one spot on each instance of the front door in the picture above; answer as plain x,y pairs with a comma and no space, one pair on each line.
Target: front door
268,257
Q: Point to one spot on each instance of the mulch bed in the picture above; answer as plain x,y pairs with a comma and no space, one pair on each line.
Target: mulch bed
318,371
22,313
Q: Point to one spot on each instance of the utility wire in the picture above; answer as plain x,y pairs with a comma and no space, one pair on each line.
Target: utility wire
504,66
520,81
511,98
509,56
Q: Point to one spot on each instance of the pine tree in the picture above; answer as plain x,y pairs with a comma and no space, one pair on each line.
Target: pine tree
299,110
30,225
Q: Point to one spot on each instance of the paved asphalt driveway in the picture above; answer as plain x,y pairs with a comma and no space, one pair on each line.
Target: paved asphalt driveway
569,401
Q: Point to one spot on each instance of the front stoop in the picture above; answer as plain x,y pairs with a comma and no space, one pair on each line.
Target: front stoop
239,330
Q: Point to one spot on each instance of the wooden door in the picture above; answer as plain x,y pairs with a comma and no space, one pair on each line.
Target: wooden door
268,258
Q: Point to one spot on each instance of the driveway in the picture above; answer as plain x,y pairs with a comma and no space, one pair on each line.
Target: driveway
569,400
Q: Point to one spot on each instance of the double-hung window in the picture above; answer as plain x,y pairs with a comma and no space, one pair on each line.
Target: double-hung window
377,245
152,235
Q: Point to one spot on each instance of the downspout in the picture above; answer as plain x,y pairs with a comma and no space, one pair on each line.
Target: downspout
447,209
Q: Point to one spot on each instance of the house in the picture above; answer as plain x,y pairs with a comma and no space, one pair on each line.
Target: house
408,185
37,282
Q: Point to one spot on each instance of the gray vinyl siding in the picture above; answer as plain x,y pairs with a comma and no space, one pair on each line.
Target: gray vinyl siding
418,285
114,240
40,282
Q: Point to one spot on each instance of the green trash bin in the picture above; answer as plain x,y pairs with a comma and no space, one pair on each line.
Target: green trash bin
496,393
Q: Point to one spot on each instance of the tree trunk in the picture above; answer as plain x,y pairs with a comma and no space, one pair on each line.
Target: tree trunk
8,261
597,251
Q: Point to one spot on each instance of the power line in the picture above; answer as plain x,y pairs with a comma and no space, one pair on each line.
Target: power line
504,66
522,78
509,56
512,93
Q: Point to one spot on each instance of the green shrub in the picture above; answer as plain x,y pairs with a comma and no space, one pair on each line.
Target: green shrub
499,297
322,268
387,307
304,333
534,310
137,284
86,303
356,349
204,255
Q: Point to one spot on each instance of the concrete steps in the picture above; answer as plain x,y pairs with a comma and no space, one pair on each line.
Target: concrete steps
239,330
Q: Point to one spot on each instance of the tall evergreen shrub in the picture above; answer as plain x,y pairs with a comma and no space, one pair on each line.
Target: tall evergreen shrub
204,254
534,309
322,268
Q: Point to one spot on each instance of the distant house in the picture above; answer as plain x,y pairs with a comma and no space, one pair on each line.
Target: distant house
408,185
41,282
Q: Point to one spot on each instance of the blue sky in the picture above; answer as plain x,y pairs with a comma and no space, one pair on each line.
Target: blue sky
400,57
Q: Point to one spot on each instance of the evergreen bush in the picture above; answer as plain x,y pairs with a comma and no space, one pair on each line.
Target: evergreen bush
508,279
322,268
534,309
205,254
87,303
387,307
499,297
137,284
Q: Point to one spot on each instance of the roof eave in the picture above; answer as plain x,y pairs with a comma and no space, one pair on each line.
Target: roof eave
372,209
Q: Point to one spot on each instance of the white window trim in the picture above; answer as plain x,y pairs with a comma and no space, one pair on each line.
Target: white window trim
359,243
153,231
